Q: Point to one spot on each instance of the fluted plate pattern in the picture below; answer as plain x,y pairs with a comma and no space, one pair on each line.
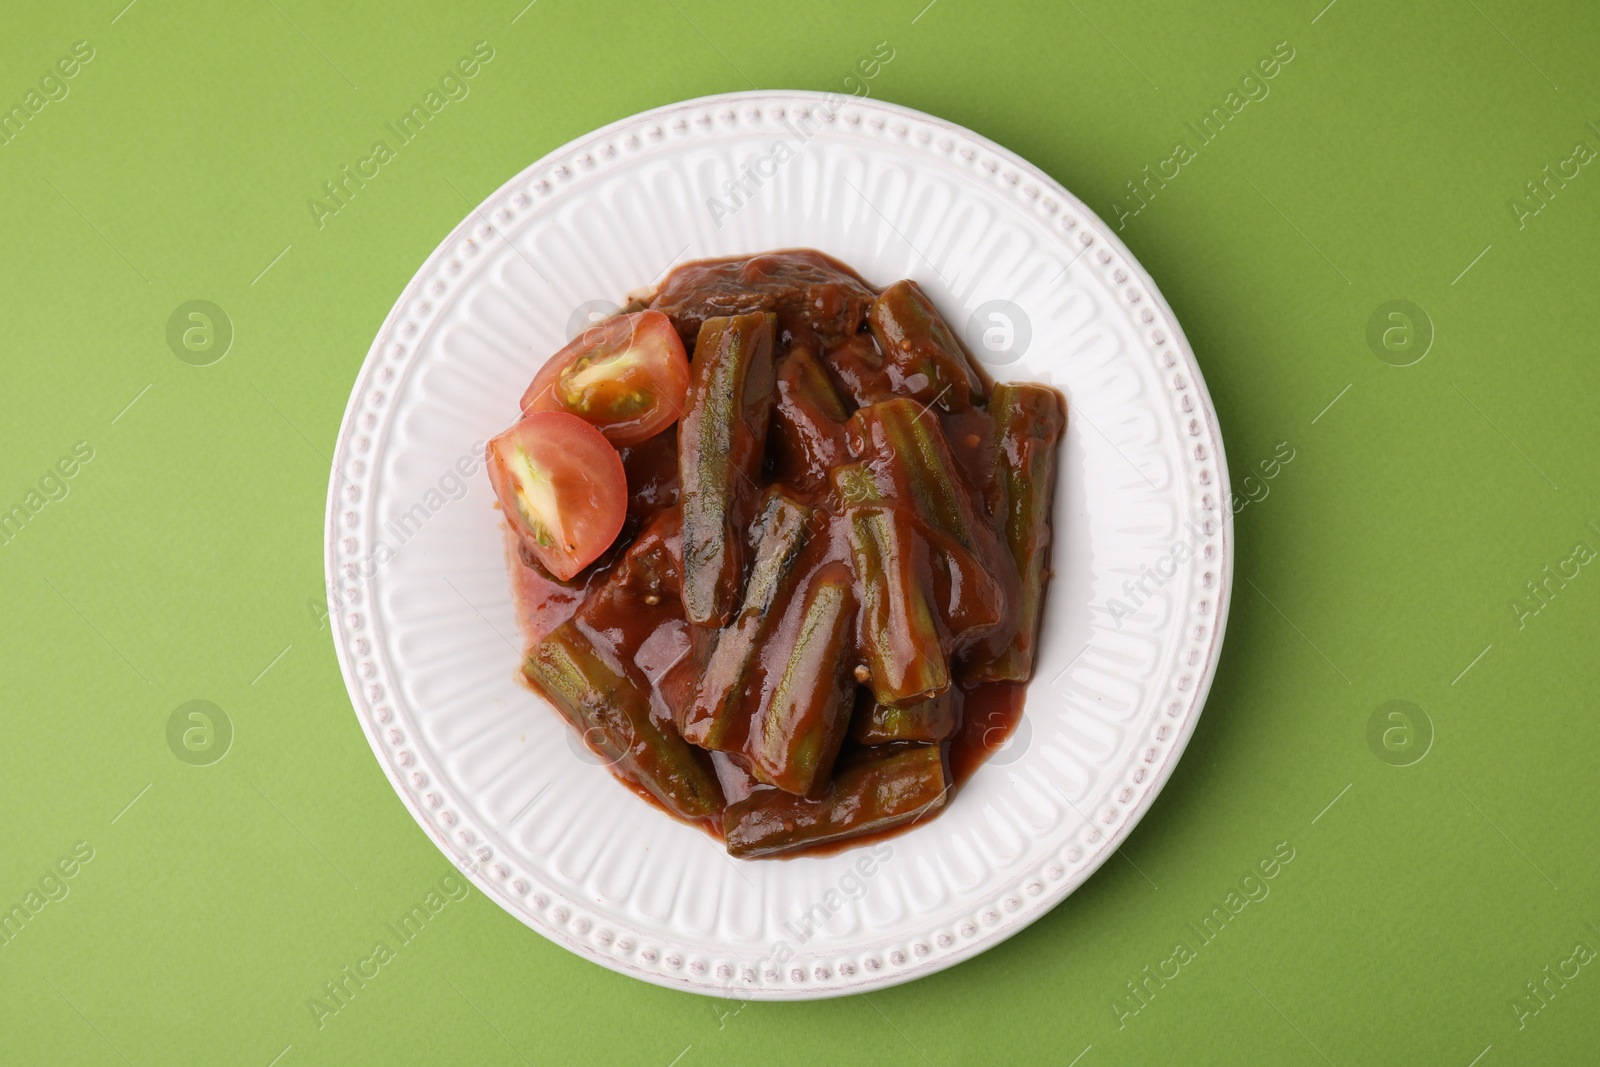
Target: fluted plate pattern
421,606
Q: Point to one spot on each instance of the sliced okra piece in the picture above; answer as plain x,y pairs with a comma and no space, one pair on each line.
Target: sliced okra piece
1029,421
872,790
976,601
921,351
713,720
610,706
799,731
808,435
900,636
721,445
934,719
909,457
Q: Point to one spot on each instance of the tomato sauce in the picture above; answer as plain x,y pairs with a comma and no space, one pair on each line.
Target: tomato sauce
628,605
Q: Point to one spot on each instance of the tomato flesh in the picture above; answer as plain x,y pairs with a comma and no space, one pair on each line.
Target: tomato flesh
562,487
627,376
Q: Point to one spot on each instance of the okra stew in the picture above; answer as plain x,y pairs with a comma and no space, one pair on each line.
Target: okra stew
779,549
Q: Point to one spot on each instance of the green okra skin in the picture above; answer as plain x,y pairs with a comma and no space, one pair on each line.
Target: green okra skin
799,732
610,707
854,484
804,377
976,597
713,720
929,361
899,630
977,582
910,459
808,434
1030,420
721,445
934,719
872,790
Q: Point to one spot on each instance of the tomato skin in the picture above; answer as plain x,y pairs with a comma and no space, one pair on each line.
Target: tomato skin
562,487
628,376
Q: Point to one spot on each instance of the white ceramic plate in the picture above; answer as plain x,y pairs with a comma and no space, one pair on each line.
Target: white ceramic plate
420,599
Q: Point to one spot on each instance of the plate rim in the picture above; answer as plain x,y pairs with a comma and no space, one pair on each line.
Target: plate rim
1008,925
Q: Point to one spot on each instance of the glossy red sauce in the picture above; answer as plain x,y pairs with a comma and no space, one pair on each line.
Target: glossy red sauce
990,711
628,602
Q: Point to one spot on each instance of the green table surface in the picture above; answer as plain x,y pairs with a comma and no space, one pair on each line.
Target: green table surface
1428,542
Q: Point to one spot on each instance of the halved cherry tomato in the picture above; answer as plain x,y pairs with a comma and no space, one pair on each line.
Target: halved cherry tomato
562,487
628,376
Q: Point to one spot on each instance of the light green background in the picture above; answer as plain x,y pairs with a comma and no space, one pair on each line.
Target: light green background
185,561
